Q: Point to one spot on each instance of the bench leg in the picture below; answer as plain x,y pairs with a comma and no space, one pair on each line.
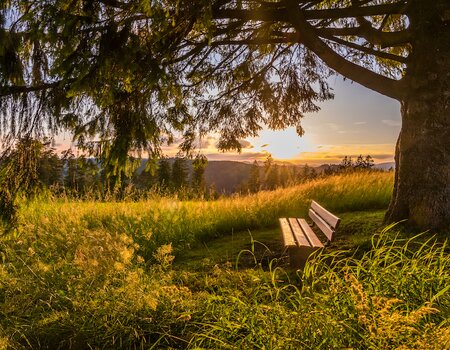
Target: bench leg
299,255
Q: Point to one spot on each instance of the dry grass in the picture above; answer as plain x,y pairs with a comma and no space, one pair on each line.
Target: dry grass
89,275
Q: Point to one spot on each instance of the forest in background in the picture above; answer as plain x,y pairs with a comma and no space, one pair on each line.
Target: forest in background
79,176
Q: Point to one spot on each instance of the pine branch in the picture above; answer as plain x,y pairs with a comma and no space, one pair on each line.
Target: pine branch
10,90
363,76
281,14
384,39
367,50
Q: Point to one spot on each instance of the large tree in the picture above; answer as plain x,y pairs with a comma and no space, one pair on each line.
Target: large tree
129,75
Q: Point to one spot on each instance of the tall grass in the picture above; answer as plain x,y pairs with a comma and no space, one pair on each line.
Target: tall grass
99,295
397,296
80,275
153,223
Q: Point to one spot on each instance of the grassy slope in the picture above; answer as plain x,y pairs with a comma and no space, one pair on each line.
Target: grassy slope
243,248
156,222
100,275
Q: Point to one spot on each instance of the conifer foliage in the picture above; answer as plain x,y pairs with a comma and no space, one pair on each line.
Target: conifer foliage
129,75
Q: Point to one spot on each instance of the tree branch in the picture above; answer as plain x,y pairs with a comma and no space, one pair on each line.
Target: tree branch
281,14
115,4
373,34
231,91
356,11
363,76
260,14
367,50
255,41
19,89
384,39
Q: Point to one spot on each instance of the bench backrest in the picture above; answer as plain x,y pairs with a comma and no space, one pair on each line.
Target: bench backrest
327,222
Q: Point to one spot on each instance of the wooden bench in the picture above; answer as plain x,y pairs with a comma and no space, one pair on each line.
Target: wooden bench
300,240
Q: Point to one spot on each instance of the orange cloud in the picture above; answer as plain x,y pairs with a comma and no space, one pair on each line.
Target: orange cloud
335,153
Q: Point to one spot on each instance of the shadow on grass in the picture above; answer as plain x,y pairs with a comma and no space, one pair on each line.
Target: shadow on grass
249,249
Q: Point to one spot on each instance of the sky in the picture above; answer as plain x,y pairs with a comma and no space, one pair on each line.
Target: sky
357,121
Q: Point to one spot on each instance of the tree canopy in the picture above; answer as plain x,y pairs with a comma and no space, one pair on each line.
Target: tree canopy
128,75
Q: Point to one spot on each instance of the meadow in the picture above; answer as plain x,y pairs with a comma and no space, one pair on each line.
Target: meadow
164,273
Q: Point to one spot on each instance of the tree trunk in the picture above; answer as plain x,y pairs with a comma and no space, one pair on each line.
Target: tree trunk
422,174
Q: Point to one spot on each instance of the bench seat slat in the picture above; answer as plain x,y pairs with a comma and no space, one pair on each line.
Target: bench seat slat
288,238
327,230
300,237
300,241
315,242
332,220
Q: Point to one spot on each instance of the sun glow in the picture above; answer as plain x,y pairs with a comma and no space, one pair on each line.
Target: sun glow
282,144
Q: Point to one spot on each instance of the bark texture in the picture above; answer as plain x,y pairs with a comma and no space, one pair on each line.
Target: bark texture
422,178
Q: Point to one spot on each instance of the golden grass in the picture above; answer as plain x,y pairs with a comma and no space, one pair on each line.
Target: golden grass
166,220
90,275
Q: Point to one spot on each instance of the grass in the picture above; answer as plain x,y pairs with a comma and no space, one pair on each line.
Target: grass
242,249
161,221
371,302
212,275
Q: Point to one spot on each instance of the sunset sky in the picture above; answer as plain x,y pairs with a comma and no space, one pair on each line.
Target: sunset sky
357,121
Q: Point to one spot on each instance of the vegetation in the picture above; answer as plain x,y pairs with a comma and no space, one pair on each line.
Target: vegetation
361,163
127,76
103,275
78,177
38,168
167,220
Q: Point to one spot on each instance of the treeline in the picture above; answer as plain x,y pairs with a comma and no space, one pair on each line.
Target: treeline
361,163
178,176
39,166
271,175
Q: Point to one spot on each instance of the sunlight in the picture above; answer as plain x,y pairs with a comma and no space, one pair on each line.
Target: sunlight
283,144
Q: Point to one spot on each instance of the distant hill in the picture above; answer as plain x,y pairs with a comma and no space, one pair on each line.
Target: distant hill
321,168
385,166
225,176
228,176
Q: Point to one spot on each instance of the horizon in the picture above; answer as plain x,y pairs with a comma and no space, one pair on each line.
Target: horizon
357,121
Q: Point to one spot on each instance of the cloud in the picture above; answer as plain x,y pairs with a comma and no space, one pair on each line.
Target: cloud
335,156
170,151
177,140
391,122
333,126
382,156
339,130
355,155
207,146
335,153
205,143
210,141
350,132
360,123
246,144
239,157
